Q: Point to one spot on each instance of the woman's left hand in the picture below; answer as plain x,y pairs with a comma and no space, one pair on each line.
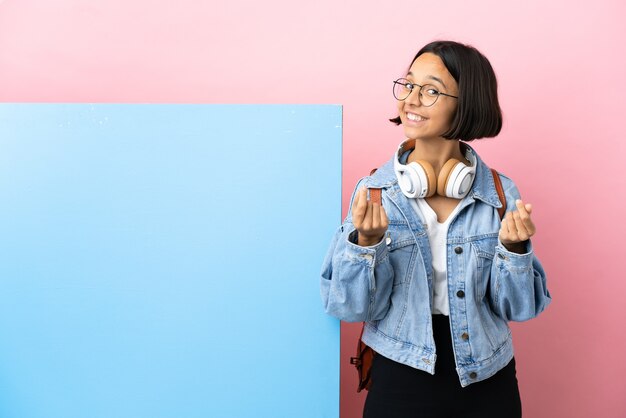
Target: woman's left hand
517,227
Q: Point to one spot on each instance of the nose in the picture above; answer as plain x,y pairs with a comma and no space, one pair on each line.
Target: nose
414,96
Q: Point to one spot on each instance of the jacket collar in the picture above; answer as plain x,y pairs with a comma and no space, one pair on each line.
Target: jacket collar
483,188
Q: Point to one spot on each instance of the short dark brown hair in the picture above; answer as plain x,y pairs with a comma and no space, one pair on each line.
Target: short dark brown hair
478,113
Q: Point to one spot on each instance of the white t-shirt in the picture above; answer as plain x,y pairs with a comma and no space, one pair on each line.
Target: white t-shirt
437,236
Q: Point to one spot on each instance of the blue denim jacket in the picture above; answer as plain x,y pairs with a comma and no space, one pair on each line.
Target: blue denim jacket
389,285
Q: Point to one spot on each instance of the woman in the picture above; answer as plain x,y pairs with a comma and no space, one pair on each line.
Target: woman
435,272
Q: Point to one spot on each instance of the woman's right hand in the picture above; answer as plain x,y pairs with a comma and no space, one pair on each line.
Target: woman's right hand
369,218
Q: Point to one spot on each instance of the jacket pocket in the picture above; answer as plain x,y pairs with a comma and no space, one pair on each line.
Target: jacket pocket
483,251
402,252
496,329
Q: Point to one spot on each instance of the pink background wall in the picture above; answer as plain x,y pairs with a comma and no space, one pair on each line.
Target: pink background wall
560,65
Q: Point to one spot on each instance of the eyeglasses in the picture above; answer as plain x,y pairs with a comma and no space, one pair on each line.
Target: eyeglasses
428,94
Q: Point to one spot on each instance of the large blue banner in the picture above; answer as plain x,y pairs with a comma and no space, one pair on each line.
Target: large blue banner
163,260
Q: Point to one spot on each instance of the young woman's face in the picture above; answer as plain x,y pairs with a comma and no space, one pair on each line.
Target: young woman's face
419,121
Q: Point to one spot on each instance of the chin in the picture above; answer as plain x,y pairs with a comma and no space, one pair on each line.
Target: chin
414,133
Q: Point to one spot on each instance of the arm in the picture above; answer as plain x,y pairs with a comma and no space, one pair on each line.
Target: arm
518,285
356,280
518,281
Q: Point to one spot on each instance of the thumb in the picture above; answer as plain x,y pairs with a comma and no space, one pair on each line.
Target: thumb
529,207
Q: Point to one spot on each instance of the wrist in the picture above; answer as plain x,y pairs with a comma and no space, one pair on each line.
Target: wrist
368,241
517,247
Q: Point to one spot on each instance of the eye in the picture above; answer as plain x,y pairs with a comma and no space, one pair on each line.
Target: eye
431,91
409,85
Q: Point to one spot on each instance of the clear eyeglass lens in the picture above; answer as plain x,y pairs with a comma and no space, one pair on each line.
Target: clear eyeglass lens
429,95
403,87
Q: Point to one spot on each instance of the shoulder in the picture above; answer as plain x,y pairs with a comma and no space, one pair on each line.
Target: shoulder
506,181
510,191
382,177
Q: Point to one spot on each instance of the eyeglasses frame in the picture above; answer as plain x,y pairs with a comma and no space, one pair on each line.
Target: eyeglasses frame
419,91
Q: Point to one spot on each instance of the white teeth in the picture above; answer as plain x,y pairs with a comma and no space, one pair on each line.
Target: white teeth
411,116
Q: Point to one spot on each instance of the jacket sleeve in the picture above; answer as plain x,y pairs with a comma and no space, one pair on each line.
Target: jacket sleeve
518,281
356,281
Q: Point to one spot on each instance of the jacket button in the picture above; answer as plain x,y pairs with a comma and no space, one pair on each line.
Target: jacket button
473,375
460,294
458,250
465,336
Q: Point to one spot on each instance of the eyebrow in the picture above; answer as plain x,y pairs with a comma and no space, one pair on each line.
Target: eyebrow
432,77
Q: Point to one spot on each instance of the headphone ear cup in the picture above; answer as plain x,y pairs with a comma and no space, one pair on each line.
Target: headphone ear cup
429,173
444,176
408,181
455,179
416,179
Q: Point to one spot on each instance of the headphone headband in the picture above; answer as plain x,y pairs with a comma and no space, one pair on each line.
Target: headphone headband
405,146
417,179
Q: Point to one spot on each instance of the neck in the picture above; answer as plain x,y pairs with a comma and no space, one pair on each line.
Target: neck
437,152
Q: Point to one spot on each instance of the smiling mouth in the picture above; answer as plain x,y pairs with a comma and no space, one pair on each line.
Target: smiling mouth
415,118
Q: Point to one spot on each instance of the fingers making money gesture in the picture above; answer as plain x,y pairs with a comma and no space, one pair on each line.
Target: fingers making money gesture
369,218
517,227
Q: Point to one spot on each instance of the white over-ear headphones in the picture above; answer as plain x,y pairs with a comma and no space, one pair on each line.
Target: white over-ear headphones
417,179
